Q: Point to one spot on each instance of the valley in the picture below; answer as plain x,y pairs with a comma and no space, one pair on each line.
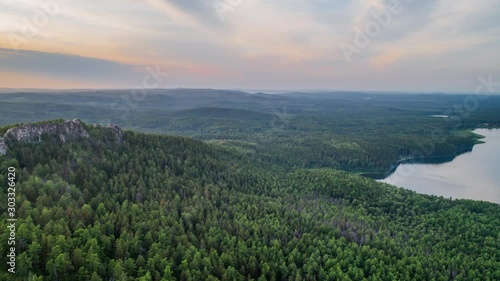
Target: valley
242,192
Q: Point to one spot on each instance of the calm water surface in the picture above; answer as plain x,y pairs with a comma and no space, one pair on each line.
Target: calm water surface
473,175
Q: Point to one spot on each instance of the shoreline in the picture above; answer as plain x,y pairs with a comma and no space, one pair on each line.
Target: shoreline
427,159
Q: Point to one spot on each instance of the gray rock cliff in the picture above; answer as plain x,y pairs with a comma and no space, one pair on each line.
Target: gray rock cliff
70,129
33,132
117,131
3,147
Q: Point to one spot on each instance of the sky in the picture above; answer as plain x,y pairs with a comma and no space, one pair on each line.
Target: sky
378,45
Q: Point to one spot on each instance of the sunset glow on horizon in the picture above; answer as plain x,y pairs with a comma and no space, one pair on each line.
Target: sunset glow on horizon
401,45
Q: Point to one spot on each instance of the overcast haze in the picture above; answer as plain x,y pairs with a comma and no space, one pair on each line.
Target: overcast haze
283,44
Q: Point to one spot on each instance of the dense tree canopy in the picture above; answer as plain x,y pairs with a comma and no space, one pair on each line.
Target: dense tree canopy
171,208
356,132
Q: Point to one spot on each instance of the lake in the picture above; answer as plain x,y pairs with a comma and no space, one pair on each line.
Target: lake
472,175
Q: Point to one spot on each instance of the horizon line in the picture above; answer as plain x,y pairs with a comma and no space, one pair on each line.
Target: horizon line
8,90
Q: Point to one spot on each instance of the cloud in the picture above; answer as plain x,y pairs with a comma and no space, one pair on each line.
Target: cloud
450,29
65,66
257,42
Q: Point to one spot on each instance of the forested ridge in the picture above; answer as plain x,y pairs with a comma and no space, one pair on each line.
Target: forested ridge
356,132
155,207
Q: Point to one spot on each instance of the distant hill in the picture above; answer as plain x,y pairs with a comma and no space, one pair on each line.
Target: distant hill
352,131
217,112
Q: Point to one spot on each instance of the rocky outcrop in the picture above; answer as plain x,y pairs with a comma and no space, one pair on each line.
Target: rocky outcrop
33,132
3,147
117,131
70,129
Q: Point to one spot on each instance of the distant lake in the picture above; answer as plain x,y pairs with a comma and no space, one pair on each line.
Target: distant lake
472,175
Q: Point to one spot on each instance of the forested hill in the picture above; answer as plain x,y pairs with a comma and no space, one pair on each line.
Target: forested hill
356,132
151,207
